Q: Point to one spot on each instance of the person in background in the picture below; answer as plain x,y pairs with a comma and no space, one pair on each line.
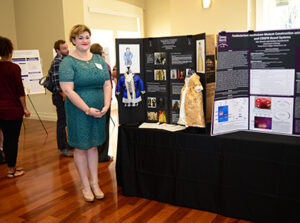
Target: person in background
58,98
84,78
2,159
103,149
114,75
12,106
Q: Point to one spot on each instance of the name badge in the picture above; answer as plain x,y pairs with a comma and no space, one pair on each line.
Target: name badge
99,66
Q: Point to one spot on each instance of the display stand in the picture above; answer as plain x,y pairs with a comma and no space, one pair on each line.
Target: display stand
242,175
37,114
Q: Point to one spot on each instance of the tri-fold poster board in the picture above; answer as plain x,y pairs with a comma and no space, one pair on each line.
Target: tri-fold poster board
258,82
162,64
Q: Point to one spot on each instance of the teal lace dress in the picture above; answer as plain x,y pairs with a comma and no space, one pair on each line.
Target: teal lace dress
88,77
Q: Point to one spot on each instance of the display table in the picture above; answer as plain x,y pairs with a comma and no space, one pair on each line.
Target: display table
243,175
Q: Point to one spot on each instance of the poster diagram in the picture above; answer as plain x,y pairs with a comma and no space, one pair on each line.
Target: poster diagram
230,115
31,70
129,56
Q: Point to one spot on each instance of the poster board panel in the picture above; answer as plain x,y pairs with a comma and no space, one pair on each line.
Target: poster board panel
263,68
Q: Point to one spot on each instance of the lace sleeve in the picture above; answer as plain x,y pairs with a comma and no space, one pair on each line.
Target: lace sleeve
66,70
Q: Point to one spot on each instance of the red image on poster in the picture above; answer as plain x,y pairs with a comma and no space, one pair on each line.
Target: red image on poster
263,103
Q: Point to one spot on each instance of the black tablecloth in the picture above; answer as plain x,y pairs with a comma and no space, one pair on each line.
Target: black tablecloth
244,175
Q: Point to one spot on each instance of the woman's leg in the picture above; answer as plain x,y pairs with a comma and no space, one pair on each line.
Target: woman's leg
11,132
93,168
92,156
1,139
81,162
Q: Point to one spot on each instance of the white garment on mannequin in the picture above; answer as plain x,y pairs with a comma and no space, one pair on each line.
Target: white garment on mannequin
182,120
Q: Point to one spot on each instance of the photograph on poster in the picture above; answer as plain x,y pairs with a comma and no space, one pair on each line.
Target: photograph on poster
162,116
188,71
151,101
180,74
173,74
160,102
160,58
129,56
263,122
175,105
263,103
152,116
160,75
200,55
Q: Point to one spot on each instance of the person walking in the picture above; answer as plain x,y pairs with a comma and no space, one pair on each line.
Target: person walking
12,106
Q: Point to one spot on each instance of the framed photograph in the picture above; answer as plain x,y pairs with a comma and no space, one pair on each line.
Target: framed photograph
176,105
151,102
173,74
160,75
160,58
129,56
152,116
200,56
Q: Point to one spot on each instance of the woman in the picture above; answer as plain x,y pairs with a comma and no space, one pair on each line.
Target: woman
12,106
85,80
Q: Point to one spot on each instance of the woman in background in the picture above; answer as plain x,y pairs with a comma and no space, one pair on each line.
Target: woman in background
96,48
2,160
84,78
12,106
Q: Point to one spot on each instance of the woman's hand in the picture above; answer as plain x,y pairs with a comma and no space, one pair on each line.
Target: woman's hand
104,110
26,112
94,112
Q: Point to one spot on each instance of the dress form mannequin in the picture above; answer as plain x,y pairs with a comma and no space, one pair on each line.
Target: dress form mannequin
130,83
191,102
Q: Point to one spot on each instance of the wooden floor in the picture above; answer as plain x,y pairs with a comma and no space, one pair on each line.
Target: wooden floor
50,190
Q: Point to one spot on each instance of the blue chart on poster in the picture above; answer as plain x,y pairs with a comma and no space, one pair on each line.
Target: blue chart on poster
223,113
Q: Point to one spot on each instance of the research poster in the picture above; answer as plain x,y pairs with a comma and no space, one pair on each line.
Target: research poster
31,70
258,82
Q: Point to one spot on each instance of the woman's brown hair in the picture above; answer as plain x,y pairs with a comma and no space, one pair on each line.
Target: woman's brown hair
77,30
6,47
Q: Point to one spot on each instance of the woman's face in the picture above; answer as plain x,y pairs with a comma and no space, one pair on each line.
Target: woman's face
82,41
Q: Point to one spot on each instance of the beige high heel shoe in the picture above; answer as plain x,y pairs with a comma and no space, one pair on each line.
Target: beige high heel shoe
87,198
99,195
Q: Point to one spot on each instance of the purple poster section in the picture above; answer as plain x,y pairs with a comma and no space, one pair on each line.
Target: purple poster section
258,82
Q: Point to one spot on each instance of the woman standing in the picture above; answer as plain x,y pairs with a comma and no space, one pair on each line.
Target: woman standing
85,80
103,156
12,106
